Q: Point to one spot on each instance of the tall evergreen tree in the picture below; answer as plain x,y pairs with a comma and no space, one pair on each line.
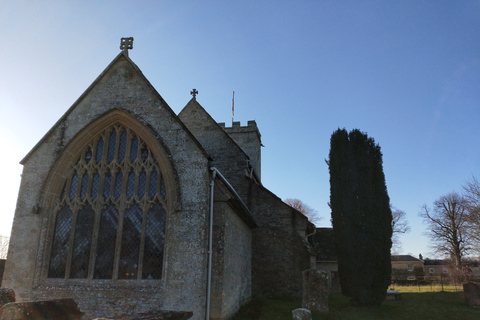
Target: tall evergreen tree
361,217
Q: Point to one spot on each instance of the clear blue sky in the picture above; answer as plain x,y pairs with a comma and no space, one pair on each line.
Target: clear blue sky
405,72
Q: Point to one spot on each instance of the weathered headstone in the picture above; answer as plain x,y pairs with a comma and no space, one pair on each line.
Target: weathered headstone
154,315
315,290
6,296
472,294
61,309
301,314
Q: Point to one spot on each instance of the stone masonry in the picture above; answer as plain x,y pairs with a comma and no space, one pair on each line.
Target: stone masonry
121,93
260,244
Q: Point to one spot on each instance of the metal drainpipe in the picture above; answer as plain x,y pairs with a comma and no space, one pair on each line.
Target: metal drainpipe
210,244
311,234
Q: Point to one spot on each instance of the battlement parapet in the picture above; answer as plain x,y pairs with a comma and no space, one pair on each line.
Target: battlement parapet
237,128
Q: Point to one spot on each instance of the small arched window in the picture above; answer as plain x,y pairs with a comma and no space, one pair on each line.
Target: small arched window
110,216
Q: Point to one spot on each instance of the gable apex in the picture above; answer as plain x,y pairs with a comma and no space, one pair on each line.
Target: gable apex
123,68
196,119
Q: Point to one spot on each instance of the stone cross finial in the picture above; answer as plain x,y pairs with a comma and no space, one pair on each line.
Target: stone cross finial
194,93
126,43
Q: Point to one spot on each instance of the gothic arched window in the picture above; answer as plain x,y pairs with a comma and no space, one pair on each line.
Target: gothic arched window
110,216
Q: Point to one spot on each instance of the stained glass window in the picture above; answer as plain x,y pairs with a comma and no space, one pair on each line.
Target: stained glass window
73,186
82,243
96,181
105,253
111,145
154,239
116,181
83,189
58,259
131,237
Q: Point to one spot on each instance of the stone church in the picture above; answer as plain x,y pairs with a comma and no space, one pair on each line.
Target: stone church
127,207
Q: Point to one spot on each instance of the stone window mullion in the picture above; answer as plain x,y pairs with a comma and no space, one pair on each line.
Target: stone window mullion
142,241
122,205
148,171
111,179
118,240
114,130
71,240
136,169
98,206
91,169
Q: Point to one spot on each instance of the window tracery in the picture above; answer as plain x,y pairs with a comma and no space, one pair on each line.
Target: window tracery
110,216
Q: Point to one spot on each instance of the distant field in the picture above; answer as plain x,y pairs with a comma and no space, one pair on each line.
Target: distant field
428,288
415,305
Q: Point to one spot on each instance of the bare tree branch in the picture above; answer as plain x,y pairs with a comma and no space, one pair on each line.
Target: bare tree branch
448,228
400,226
308,211
471,194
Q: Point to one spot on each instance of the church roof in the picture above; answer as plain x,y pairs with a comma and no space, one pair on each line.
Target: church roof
121,56
404,258
436,262
323,244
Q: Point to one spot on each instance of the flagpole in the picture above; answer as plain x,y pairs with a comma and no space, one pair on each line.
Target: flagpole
233,108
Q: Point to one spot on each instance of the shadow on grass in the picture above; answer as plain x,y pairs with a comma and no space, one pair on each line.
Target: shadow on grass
413,306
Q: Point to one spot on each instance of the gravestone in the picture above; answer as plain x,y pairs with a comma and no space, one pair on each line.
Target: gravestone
472,294
315,290
61,309
155,315
301,314
6,296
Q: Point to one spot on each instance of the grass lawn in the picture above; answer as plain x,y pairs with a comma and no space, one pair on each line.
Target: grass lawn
414,305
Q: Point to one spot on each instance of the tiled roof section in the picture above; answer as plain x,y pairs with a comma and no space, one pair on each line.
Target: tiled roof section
402,258
323,245
472,264
435,262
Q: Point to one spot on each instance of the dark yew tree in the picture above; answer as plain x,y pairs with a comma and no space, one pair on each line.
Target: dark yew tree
361,217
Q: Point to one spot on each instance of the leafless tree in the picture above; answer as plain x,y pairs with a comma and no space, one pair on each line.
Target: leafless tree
448,227
471,195
400,226
308,211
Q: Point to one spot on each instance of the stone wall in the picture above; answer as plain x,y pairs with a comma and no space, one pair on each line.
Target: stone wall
232,260
123,90
237,280
280,253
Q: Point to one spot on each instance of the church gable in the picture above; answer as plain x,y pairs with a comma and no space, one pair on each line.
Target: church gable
227,156
120,86
114,198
